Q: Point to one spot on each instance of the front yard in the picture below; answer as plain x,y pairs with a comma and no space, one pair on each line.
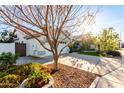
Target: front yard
39,75
13,76
75,71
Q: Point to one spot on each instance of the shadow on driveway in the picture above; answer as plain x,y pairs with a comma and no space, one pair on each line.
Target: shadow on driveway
29,59
94,64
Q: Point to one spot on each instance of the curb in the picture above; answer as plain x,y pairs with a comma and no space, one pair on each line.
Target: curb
94,83
49,85
48,63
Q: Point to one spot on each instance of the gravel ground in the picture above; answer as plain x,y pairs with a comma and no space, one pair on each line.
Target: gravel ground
69,77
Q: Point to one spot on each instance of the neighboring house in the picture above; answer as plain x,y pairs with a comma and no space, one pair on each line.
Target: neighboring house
121,44
85,39
33,47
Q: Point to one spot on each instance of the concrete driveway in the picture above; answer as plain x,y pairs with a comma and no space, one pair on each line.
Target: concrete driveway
94,64
110,69
114,79
25,60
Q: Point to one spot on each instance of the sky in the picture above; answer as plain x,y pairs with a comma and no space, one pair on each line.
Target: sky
110,16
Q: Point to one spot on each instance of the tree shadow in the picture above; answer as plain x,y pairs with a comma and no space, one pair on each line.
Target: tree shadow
93,64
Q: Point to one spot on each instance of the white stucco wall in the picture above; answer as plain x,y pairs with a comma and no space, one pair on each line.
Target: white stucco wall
7,47
66,50
20,36
35,49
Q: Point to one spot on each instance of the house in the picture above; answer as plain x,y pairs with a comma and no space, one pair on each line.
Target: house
32,47
85,41
121,44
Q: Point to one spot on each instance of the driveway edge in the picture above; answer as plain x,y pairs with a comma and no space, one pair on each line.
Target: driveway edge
95,82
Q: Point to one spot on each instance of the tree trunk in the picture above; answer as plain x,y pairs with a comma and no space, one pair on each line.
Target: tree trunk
56,57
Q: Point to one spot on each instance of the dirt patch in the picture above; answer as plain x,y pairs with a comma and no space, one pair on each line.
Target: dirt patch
69,77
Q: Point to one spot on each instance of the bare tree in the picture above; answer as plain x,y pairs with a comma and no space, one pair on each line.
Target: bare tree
55,23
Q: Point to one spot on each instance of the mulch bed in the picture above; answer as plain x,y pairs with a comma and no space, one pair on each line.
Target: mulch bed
69,77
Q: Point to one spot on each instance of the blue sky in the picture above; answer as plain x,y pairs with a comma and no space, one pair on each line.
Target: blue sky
110,16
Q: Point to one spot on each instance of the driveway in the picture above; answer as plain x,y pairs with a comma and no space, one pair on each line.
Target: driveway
114,79
110,69
94,64
25,60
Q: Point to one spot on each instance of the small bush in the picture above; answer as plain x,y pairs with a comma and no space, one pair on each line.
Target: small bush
2,74
74,47
113,53
38,81
38,74
32,69
7,59
22,70
11,78
10,81
12,68
14,75
35,69
102,53
8,85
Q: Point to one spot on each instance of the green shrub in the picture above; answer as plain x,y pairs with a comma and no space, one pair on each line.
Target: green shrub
11,78
14,75
7,59
22,70
37,74
12,68
45,76
113,53
38,81
2,74
8,85
10,81
75,47
32,69
35,69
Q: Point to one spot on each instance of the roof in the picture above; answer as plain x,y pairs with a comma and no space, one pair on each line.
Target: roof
81,37
34,33
38,34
